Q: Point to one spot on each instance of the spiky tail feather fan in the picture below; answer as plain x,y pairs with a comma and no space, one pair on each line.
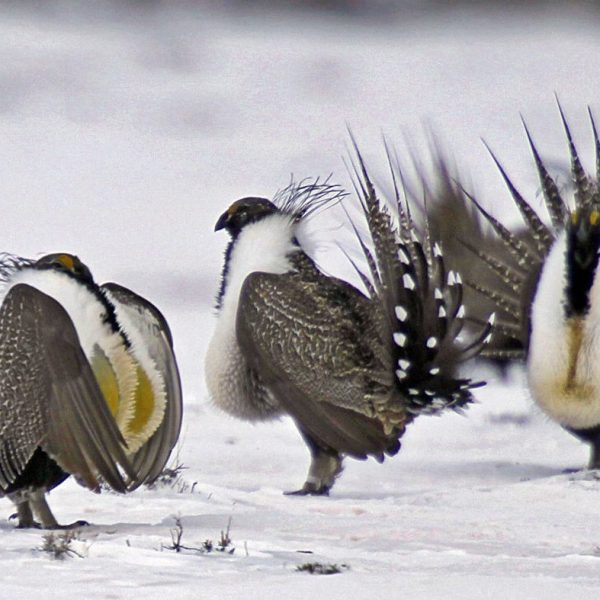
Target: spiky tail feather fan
513,259
490,257
419,305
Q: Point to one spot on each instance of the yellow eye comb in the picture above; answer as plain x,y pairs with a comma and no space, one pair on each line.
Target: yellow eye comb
67,261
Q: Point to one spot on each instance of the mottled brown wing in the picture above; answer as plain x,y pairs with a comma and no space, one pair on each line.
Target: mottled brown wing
49,396
309,343
152,457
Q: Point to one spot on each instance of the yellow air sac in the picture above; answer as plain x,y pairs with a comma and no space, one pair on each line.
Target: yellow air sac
146,411
144,403
107,380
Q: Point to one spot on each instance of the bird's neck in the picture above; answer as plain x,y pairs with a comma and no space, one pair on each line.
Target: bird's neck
266,246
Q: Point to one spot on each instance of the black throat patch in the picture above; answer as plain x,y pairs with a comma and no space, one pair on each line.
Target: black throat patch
583,244
224,273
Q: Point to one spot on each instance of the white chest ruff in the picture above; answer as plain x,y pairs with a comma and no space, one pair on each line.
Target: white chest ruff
232,386
564,356
569,393
264,246
97,338
86,312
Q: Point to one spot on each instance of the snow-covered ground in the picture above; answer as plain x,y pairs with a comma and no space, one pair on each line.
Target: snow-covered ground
125,133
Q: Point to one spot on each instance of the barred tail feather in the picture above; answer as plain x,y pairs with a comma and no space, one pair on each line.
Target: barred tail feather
556,206
541,234
596,145
583,185
420,304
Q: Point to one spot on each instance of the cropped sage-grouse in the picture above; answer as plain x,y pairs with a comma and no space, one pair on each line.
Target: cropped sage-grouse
546,292
89,384
351,369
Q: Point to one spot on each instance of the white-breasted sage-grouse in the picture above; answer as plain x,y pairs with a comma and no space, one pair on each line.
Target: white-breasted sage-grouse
89,384
351,369
542,280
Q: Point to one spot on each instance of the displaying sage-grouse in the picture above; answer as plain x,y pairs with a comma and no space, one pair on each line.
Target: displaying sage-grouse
547,294
89,384
352,370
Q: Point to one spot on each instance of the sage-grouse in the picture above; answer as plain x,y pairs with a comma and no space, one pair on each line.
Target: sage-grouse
351,369
542,281
89,384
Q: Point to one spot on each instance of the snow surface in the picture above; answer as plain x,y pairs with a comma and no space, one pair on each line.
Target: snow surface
125,133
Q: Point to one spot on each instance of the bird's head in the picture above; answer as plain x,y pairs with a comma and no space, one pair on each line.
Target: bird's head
65,263
298,201
244,211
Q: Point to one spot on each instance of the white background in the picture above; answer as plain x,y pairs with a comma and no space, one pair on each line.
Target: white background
125,132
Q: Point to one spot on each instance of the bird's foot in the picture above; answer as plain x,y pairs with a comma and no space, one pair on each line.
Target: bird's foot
74,525
310,489
323,471
53,527
25,525
25,519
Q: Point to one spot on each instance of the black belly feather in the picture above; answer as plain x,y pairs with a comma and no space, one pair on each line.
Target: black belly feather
41,472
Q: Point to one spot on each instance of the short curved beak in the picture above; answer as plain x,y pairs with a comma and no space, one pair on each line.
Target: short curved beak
222,222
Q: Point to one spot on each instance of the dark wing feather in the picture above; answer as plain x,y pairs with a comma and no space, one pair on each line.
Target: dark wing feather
152,457
49,396
307,340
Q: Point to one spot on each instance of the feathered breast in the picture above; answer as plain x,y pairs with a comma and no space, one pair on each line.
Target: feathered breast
264,246
563,363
